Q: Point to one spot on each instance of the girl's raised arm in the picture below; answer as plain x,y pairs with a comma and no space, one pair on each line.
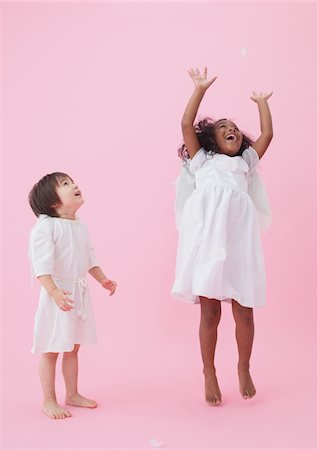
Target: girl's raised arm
260,146
190,137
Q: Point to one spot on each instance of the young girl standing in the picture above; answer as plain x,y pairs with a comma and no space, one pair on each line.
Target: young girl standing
61,256
221,204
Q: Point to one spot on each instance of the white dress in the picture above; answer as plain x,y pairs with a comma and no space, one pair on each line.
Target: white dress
61,248
219,219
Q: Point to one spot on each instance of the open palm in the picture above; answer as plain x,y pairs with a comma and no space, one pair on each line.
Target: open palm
201,80
261,96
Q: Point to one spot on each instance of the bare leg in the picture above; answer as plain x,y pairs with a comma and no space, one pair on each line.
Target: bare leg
47,377
70,373
210,318
244,336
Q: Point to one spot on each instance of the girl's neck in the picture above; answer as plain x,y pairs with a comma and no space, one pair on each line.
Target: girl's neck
65,212
67,216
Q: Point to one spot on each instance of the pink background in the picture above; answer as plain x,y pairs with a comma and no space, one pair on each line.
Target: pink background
98,90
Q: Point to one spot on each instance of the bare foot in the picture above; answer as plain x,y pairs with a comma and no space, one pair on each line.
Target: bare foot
53,410
79,400
247,388
213,394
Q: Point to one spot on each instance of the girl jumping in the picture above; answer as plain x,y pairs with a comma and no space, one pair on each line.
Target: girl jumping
221,206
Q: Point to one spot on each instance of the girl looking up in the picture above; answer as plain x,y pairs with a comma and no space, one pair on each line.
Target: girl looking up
61,255
221,206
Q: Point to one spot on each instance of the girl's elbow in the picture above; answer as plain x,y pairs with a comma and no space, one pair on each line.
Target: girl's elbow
269,136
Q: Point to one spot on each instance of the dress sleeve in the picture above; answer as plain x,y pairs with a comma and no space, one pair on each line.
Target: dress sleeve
91,254
92,259
256,189
41,248
251,157
198,160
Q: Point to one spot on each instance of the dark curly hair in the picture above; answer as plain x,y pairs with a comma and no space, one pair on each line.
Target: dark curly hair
205,132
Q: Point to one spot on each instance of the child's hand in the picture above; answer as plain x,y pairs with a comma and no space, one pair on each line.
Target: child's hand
261,96
201,80
109,284
61,299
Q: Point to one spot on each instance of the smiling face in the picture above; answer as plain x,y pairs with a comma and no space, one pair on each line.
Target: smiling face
70,197
227,137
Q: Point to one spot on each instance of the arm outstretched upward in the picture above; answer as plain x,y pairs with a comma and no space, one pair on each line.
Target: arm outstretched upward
261,144
201,85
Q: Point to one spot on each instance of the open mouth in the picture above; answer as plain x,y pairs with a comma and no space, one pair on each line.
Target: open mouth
230,137
78,194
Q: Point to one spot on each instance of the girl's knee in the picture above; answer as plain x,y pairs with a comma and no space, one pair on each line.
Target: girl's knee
244,316
246,320
211,314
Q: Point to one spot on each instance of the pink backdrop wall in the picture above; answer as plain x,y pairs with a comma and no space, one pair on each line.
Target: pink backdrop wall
98,90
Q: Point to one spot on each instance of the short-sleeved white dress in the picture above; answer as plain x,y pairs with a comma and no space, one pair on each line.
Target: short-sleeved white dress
219,251
61,248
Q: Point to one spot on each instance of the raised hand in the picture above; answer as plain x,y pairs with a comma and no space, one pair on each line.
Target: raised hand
201,81
110,285
261,96
262,143
60,296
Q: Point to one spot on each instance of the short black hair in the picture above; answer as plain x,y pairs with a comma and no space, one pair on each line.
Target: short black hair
205,132
43,197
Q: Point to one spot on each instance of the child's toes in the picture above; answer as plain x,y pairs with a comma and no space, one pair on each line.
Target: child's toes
214,401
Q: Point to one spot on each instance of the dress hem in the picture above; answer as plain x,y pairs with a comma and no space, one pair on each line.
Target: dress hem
194,300
36,350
